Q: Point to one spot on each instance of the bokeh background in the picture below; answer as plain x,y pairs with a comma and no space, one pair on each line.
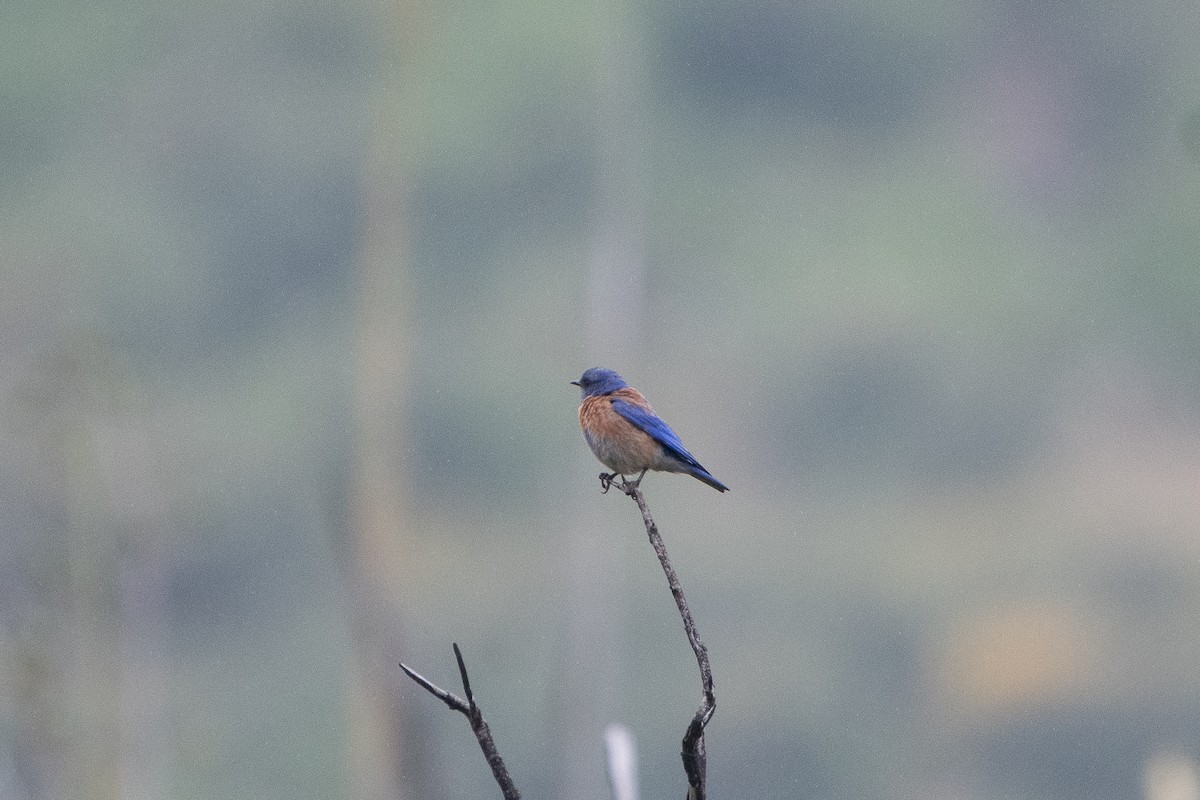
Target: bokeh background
292,293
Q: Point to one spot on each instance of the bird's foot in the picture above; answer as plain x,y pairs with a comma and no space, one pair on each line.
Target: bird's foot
609,479
630,487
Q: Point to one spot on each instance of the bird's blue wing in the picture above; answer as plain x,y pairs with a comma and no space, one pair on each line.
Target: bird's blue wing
659,431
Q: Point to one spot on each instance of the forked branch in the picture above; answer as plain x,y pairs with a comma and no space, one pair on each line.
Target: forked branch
472,712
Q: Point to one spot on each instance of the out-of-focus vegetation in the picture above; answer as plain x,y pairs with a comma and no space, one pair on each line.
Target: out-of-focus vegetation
920,281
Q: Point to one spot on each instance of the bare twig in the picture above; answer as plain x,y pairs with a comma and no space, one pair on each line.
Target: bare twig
472,712
694,758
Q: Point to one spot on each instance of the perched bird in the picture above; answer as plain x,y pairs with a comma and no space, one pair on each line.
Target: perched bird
625,433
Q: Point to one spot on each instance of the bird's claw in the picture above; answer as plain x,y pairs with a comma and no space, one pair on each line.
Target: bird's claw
609,479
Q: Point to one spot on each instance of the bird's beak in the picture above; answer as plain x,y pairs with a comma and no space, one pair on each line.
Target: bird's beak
574,383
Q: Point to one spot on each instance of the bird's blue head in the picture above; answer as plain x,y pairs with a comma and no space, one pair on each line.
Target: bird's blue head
597,381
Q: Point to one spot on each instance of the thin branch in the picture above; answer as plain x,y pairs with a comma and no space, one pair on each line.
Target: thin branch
473,714
695,761
452,700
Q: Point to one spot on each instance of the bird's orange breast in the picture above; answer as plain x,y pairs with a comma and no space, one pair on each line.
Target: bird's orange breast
619,444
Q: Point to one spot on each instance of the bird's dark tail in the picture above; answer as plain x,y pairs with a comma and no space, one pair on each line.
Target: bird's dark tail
701,474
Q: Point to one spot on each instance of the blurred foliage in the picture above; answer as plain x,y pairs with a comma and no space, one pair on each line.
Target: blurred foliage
921,285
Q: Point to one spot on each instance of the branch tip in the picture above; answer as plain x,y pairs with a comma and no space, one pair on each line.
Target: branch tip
462,671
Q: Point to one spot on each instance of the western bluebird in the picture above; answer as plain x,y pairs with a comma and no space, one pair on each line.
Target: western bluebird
625,433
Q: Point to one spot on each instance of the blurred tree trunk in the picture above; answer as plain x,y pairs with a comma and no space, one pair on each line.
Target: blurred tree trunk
91,569
130,465
377,717
73,679
597,615
380,741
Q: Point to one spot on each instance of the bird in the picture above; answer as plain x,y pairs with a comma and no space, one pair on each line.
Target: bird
627,436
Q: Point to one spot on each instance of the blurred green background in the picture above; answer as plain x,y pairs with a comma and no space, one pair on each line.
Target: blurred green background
292,293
